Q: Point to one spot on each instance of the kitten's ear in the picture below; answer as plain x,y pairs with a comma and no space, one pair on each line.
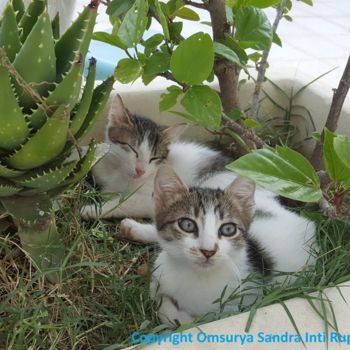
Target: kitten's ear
168,188
118,113
172,133
242,191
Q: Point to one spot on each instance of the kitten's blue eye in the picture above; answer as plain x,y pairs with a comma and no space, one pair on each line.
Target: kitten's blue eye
187,225
228,230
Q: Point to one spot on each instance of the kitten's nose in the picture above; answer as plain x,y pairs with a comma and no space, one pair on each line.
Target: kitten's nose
208,253
139,172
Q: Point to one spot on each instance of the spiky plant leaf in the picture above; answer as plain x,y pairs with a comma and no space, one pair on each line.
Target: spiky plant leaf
81,110
66,93
8,189
46,144
9,34
55,24
8,173
36,61
19,9
76,39
30,17
99,101
29,209
48,179
13,127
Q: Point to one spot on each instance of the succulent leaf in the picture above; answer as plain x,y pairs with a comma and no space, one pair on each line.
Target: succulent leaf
99,101
8,173
9,34
55,24
30,17
46,144
28,209
81,110
19,9
8,189
66,93
84,165
75,39
36,61
13,127
45,180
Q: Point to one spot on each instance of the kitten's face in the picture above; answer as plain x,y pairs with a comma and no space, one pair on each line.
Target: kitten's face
138,143
203,227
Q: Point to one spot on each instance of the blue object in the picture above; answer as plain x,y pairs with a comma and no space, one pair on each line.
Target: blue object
107,56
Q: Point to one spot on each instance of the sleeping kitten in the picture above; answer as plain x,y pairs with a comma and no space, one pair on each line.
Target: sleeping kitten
212,238
64,7
137,147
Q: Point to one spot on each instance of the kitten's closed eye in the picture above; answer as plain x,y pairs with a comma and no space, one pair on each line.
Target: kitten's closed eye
188,225
127,147
158,158
228,230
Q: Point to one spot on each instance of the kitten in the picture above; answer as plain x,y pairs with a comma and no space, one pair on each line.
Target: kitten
65,8
137,147
212,238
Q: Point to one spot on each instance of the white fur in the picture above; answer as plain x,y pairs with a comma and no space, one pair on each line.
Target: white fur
64,7
181,272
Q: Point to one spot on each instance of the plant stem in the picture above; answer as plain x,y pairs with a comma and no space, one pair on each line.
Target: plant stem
261,68
226,72
333,115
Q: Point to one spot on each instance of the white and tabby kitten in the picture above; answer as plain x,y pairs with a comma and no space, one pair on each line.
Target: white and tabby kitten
65,8
213,238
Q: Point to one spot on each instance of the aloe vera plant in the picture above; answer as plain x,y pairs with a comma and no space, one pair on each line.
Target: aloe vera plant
42,117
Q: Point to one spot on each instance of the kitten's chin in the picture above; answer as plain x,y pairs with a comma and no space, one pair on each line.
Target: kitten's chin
206,264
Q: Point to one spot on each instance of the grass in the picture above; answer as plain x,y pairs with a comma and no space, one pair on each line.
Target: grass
103,296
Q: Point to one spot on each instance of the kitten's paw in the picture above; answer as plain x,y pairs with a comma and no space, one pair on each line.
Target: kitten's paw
129,229
88,212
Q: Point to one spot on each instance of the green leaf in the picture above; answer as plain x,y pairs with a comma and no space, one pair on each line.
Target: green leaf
288,18
157,63
235,114
282,171
307,2
187,13
30,17
230,42
253,28
134,24
13,127
9,34
152,42
173,5
342,148
260,3
168,100
128,70
276,39
175,29
36,60
45,145
192,61
80,111
119,7
255,56
252,123
98,104
162,19
226,52
76,39
334,162
111,39
8,189
204,105
47,179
